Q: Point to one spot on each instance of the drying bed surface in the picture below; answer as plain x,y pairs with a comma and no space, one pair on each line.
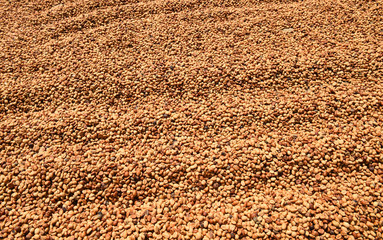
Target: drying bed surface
191,119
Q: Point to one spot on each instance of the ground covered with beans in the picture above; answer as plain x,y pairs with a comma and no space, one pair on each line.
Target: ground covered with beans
191,119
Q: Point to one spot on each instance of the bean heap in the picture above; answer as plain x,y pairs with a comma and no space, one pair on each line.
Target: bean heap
191,119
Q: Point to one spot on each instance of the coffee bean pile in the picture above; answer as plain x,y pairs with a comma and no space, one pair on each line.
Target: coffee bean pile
191,119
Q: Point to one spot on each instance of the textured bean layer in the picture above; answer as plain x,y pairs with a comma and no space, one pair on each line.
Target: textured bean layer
191,119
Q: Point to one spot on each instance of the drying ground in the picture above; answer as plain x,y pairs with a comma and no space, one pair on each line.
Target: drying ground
191,119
